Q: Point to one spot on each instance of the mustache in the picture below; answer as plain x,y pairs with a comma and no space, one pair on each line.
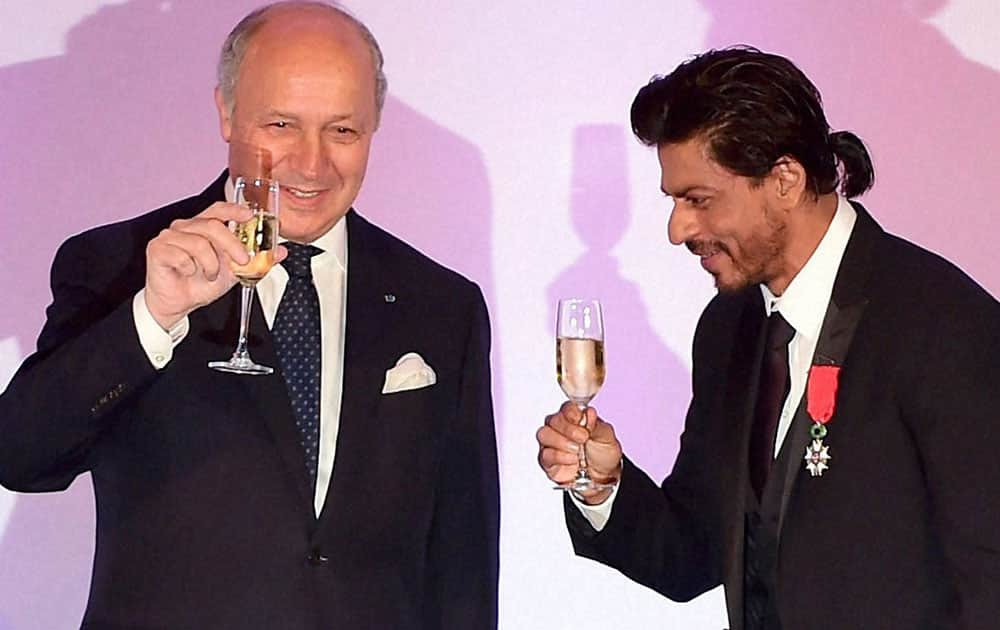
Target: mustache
706,248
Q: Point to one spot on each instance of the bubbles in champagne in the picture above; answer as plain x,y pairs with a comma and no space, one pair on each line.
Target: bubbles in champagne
580,368
259,238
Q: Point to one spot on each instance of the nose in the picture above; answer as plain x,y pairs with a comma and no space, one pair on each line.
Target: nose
309,156
681,225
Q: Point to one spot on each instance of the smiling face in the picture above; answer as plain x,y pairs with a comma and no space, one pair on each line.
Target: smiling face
305,93
731,222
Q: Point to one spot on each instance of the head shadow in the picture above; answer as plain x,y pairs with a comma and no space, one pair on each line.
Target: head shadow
646,389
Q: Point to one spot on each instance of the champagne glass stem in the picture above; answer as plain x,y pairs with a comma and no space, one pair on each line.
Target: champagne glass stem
241,353
581,472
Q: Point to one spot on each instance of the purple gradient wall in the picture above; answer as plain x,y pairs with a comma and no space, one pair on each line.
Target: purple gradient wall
504,153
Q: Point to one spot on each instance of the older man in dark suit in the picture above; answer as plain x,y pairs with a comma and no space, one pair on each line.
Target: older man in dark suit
356,488
837,468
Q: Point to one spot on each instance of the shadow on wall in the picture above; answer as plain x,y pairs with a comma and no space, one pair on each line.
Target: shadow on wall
122,122
928,114
125,122
647,388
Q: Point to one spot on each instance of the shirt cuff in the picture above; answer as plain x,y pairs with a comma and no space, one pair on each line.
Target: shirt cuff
158,344
596,515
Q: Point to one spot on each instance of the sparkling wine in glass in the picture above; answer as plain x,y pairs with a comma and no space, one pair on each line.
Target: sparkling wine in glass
580,368
259,236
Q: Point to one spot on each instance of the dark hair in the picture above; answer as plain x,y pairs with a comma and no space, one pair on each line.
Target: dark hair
751,108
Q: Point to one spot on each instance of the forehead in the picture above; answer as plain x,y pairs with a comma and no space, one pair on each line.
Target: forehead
686,165
307,45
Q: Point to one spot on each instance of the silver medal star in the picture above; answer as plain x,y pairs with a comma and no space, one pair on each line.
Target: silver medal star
817,456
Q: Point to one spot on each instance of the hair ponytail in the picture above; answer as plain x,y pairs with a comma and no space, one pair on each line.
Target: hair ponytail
858,172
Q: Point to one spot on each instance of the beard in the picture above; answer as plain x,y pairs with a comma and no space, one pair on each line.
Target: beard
757,261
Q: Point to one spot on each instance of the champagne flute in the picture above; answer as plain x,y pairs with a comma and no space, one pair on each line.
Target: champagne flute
259,235
580,369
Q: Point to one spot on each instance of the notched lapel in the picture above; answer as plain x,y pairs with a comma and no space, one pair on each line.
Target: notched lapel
369,313
837,332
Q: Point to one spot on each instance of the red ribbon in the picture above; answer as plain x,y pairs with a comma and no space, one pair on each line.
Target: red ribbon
821,392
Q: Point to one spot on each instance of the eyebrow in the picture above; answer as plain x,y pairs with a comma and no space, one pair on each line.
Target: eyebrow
282,114
684,192
277,113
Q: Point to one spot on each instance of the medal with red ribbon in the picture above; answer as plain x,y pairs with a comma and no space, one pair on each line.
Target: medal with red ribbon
821,402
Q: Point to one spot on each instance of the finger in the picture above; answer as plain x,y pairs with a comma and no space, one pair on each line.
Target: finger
223,211
280,253
562,475
559,473
162,253
199,249
567,427
571,411
603,432
550,438
222,239
550,458
586,418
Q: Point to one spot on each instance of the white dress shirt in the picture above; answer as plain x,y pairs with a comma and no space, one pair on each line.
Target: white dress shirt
330,278
803,305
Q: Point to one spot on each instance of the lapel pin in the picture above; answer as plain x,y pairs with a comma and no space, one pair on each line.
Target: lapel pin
389,298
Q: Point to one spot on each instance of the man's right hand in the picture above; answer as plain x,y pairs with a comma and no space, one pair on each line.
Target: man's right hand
187,264
560,441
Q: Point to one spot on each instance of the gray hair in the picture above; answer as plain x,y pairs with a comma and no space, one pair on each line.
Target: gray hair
236,44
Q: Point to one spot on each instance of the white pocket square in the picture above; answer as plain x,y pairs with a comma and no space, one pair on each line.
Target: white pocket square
411,372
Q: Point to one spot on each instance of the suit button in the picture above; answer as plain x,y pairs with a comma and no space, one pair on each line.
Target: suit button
316,558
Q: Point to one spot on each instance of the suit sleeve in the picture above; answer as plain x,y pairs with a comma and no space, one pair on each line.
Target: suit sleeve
463,552
955,416
89,362
667,537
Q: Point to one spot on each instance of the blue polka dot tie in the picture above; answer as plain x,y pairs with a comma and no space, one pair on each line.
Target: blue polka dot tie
296,333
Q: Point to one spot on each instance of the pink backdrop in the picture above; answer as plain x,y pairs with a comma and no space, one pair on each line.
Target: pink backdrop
504,153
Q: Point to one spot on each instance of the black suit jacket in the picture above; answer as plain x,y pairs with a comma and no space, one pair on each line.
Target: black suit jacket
902,531
204,511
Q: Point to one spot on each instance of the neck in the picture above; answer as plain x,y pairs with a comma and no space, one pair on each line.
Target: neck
806,226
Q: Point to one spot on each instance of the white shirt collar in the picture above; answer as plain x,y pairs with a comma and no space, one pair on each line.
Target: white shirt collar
333,243
804,302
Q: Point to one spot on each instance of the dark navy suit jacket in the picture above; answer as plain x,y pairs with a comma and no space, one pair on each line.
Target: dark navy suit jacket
204,511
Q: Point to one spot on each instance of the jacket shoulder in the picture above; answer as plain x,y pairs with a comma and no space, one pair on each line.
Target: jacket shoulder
925,275
407,263
141,229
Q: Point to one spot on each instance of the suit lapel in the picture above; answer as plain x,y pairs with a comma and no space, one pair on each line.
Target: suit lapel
847,305
369,314
270,397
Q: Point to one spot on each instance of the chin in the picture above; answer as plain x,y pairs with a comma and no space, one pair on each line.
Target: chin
296,235
731,285
299,231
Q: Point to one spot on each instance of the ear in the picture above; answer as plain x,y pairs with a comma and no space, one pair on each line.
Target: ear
788,181
225,116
